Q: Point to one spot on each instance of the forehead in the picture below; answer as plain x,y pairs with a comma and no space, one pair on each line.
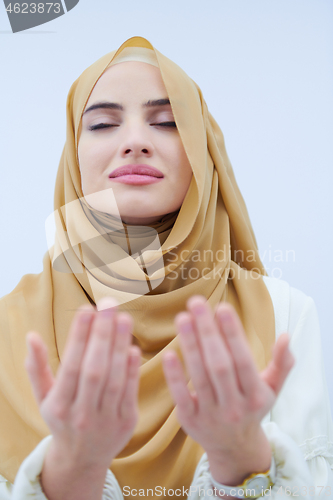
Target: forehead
128,81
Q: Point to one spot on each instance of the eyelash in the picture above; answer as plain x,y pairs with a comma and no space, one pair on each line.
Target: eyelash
165,124
101,126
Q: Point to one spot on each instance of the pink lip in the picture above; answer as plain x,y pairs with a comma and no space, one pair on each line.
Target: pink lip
136,179
136,170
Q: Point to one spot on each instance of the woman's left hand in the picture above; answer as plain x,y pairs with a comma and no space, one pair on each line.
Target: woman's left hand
230,396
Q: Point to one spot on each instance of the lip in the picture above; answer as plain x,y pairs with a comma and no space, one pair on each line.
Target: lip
136,170
136,179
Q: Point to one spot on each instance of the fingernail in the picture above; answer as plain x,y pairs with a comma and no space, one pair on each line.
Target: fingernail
199,309
86,316
224,316
123,327
185,327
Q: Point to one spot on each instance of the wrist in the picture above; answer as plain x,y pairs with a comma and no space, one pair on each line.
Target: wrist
233,468
71,458
64,477
254,486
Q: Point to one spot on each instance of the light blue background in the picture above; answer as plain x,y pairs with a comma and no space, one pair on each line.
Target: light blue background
266,70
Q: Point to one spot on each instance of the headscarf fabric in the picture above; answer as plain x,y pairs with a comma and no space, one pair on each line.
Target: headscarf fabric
207,247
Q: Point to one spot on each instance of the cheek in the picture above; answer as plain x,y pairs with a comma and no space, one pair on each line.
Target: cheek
93,157
89,161
177,157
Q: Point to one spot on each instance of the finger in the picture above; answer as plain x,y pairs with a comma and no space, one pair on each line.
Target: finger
114,385
94,368
176,381
276,372
235,338
194,361
129,402
69,371
37,366
217,358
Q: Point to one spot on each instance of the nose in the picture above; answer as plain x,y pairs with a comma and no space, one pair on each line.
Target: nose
136,142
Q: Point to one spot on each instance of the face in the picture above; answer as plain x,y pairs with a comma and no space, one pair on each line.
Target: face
128,124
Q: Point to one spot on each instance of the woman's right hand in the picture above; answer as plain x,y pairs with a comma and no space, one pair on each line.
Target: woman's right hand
91,405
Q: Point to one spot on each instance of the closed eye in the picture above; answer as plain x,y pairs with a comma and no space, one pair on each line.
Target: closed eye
164,124
101,125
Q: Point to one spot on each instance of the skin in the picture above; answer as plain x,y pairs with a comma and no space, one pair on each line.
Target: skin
134,136
91,406
230,396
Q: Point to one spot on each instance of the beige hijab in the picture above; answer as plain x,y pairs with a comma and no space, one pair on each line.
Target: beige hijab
207,248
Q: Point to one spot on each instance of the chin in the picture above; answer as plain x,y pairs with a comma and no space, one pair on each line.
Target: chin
137,211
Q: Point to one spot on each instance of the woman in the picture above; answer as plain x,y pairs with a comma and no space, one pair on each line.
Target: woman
148,216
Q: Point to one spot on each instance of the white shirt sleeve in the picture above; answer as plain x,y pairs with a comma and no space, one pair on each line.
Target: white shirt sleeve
5,489
299,426
27,484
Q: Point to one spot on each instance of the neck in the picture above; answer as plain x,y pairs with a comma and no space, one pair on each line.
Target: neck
140,221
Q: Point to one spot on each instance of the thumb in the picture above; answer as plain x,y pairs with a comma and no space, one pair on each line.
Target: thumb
276,372
37,366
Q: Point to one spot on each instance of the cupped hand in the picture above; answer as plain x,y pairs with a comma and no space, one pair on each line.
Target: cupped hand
230,396
91,405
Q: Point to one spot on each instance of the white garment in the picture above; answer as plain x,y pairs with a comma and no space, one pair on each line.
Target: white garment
299,426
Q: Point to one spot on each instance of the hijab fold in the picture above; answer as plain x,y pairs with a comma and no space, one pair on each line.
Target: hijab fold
207,247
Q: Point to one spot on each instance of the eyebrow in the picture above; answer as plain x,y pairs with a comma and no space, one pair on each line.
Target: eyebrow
114,105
